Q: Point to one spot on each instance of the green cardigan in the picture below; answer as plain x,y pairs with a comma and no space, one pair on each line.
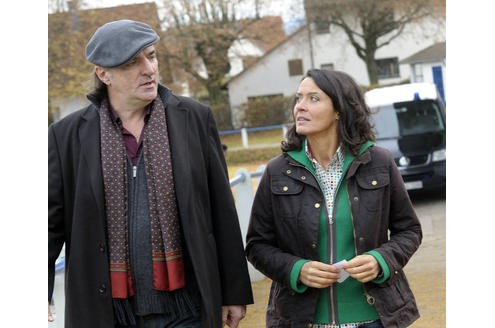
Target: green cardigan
351,304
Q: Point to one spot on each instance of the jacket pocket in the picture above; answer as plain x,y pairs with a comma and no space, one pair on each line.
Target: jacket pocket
286,196
394,294
373,181
372,186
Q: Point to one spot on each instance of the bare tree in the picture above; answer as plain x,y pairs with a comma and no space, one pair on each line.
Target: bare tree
199,35
58,6
372,24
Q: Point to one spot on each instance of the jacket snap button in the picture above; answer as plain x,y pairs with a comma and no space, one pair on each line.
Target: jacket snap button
285,188
317,205
374,183
313,245
356,198
289,171
102,248
102,288
303,177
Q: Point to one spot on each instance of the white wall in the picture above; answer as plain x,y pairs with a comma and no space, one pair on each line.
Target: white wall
239,49
270,75
69,105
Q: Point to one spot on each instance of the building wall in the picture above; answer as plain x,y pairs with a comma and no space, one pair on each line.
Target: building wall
270,75
66,106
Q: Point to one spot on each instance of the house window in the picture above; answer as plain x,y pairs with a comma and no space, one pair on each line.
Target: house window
322,26
295,67
387,67
328,66
418,73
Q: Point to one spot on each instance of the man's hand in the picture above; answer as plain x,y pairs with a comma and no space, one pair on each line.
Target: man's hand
232,315
363,268
50,316
318,275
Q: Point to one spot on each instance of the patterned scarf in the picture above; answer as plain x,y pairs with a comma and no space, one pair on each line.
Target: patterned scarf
168,266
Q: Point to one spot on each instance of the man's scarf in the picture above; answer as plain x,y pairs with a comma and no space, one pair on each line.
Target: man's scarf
168,266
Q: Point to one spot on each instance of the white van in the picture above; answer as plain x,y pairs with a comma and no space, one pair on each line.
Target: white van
409,120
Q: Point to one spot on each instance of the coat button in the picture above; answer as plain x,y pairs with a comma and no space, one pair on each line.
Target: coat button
102,288
374,183
303,177
101,248
317,205
285,188
289,171
356,198
314,245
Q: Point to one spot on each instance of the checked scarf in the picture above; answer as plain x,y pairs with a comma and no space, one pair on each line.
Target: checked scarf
168,266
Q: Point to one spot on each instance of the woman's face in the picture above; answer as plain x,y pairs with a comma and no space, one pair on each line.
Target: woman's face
314,114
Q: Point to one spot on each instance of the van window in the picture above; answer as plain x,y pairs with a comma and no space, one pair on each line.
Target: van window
407,118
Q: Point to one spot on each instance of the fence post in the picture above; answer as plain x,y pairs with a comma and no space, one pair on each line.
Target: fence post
244,135
244,201
284,130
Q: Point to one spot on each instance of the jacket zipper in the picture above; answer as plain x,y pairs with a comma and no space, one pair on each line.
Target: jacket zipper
331,259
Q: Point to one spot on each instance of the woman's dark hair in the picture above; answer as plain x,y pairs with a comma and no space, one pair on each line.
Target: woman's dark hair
354,126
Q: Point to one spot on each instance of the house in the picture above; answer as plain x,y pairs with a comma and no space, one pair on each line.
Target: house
280,70
68,33
428,65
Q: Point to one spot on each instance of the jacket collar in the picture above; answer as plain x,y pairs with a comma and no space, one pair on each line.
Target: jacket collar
362,157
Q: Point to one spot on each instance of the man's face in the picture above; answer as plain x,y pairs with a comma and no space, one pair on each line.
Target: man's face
134,84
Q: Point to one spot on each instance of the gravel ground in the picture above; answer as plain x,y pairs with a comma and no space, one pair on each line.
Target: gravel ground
425,270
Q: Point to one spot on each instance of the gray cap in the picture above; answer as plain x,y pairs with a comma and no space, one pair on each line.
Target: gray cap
116,43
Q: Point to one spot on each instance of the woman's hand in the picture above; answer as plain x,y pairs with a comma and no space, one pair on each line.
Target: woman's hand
318,275
363,268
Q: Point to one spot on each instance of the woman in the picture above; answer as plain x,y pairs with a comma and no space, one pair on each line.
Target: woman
324,210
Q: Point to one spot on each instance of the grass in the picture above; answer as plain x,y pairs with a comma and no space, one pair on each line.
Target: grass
234,141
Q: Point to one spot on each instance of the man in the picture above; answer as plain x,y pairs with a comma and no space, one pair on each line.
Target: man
139,194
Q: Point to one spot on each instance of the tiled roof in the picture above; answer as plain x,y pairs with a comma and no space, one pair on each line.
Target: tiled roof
433,53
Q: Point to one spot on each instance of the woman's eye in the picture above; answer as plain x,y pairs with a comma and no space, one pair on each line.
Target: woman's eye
314,98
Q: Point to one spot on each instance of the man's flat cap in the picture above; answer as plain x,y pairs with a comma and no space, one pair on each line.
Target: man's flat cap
116,43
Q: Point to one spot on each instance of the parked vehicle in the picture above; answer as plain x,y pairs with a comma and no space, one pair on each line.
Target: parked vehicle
409,120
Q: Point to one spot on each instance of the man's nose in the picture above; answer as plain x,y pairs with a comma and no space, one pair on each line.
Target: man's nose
149,66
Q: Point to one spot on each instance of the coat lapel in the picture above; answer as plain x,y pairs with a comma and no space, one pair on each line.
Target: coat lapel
89,136
177,125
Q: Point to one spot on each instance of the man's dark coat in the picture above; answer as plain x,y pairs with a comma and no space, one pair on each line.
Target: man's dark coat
207,211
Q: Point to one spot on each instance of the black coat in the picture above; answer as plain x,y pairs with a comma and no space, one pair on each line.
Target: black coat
206,207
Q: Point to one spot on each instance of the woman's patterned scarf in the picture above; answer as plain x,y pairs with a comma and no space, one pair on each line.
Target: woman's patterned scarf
168,266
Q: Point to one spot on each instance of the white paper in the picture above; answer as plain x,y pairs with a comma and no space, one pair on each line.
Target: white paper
343,274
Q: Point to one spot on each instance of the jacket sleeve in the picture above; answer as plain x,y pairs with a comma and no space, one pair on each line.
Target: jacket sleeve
262,247
404,226
235,280
55,208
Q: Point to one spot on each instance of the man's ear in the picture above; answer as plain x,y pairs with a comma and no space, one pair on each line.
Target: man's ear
102,74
